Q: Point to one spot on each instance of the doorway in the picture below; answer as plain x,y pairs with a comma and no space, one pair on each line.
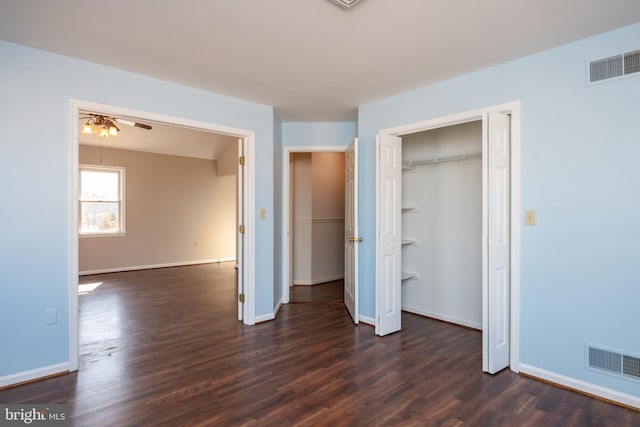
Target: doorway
500,229
317,226
245,196
346,231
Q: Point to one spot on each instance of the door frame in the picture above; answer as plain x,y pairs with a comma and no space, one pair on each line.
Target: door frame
248,194
286,206
514,110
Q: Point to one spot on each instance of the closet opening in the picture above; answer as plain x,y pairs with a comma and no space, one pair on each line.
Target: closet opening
331,215
317,227
442,224
447,220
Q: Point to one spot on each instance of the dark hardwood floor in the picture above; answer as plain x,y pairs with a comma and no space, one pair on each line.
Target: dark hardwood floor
162,348
323,293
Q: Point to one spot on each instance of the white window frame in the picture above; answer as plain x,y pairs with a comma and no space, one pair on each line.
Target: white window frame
121,199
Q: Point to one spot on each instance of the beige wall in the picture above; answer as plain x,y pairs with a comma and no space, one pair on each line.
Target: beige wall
177,211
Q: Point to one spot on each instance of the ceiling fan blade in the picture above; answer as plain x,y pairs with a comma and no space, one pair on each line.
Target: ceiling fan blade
132,123
143,126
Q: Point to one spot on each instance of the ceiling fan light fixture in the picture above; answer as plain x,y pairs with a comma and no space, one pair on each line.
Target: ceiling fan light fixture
104,131
113,130
88,128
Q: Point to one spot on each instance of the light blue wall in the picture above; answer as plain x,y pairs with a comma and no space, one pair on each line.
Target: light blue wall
318,133
35,89
277,206
580,149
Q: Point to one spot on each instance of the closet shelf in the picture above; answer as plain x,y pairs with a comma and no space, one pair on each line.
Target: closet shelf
411,163
406,242
406,276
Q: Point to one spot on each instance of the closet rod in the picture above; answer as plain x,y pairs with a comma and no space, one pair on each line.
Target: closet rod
442,159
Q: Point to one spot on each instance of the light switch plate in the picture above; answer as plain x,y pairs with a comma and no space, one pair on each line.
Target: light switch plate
530,217
263,213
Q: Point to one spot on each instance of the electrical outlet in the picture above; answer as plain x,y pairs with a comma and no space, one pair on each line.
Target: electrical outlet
530,217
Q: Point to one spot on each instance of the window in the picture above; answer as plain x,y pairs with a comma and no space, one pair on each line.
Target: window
101,200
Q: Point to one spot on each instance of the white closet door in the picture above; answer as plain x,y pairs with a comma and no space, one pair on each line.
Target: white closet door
388,240
351,230
496,277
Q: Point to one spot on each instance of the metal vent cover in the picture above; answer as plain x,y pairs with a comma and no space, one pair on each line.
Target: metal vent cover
613,362
345,4
613,67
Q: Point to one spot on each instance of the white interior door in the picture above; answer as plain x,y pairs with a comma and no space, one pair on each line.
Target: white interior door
388,239
351,230
496,260
239,233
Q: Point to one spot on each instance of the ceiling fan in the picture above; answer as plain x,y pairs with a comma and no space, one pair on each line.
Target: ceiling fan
105,126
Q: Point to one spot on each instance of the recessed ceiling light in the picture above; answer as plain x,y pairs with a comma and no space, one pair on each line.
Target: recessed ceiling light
345,4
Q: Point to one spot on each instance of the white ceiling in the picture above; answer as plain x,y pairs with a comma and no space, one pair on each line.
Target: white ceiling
310,59
163,139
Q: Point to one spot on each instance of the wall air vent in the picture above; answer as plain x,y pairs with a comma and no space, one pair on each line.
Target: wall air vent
345,4
613,67
613,362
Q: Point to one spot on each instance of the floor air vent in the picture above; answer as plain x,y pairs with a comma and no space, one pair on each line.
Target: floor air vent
613,362
613,67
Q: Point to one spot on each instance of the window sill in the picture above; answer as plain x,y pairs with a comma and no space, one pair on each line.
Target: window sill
83,235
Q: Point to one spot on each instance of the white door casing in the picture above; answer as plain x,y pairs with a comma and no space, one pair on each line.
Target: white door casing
388,239
351,230
496,244
506,342
248,196
239,222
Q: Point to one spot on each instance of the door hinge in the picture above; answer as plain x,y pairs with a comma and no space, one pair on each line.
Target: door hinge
241,229
241,160
241,297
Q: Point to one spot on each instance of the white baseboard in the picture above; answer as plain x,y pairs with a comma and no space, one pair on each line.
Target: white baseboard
270,316
148,267
318,281
366,319
33,374
444,318
264,317
277,309
581,386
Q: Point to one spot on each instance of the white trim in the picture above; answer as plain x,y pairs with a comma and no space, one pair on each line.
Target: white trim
151,266
75,106
269,316
286,213
34,374
277,309
249,259
582,386
318,281
367,320
444,318
92,235
514,109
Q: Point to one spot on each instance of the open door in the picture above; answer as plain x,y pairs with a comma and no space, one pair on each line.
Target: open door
496,277
388,239
351,230
240,230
